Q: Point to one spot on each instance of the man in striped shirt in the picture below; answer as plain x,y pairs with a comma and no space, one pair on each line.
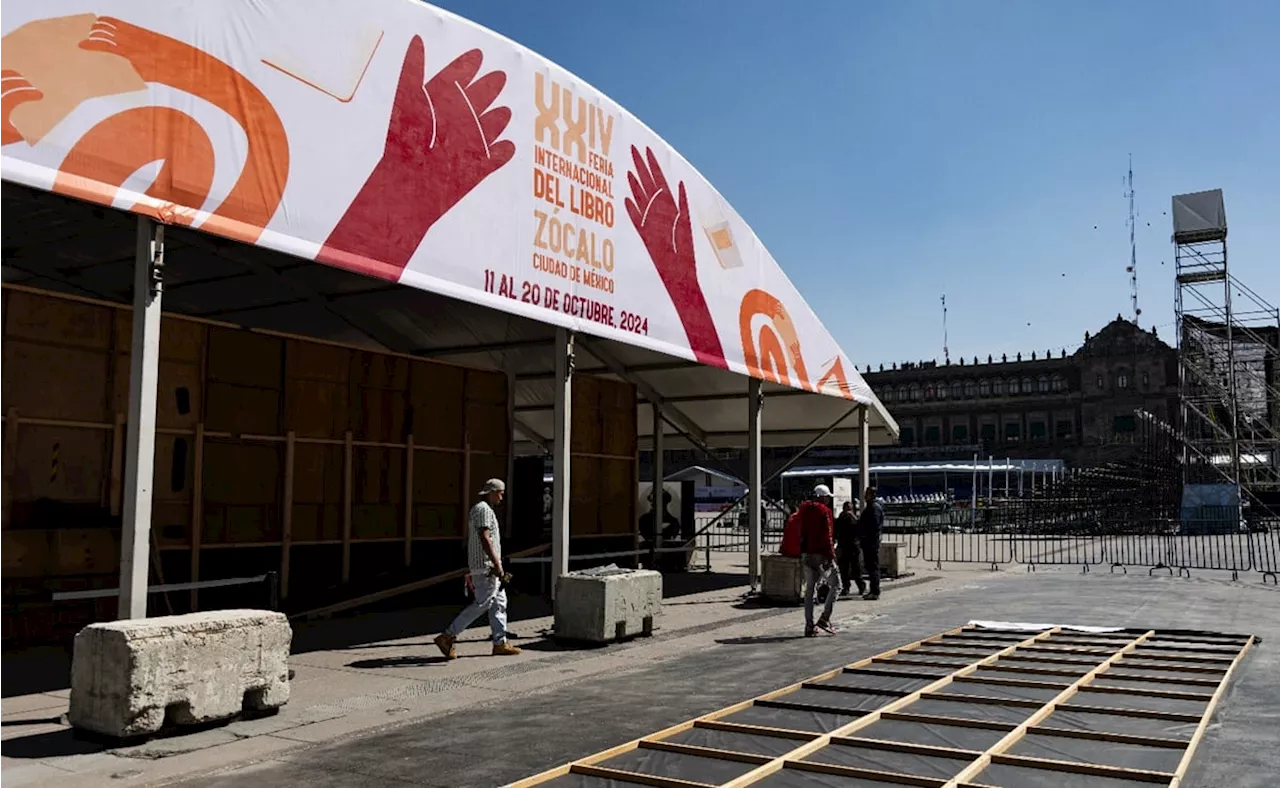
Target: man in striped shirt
484,561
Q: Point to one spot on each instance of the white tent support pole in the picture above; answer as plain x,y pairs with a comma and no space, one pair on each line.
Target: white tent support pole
659,487
560,456
1006,477
864,450
991,478
973,491
754,493
140,437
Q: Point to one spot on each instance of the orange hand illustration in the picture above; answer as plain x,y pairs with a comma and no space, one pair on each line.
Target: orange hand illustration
442,141
46,53
126,141
667,232
14,90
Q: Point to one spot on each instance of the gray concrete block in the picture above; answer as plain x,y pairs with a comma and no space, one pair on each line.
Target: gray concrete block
783,578
606,607
893,559
128,677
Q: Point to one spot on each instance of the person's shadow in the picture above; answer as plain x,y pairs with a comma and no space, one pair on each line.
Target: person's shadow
398,662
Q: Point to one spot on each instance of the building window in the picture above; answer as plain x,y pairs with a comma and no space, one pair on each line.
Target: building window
1063,429
1043,384
1122,381
1026,386
1102,384
960,433
908,436
932,435
988,432
1038,431
915,392
929,391
902,393
957,390
1059,383
998,387
1013,387
984,388
942,390
888,395
1124,424
970,389
1012,432
1146,380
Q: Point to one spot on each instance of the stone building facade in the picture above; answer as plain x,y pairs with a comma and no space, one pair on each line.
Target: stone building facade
1075,407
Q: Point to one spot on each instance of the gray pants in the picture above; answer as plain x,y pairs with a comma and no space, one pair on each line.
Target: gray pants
491,599
813,575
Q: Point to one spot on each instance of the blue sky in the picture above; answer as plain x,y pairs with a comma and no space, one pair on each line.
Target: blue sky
889,152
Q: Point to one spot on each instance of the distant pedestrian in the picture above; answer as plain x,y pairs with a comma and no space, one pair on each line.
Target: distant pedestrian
867,538
847,548
484,561
818,556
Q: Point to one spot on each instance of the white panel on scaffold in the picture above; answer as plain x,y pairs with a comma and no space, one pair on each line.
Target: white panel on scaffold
1200,216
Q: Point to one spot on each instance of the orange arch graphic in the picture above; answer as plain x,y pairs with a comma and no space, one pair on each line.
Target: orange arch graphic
835,376
778,351
107,154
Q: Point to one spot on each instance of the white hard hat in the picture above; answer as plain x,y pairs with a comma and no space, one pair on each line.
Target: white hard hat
822,491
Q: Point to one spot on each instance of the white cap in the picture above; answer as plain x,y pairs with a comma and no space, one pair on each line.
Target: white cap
493,486
822,491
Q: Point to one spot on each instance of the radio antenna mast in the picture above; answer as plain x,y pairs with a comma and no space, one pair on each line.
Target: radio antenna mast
1133,244
946,352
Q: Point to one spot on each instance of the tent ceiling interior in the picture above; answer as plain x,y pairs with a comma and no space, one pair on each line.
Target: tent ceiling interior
57,244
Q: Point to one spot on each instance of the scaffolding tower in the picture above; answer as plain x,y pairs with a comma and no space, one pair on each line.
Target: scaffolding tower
1228,360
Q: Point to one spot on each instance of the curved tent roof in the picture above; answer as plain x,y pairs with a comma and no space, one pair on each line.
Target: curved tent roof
465,194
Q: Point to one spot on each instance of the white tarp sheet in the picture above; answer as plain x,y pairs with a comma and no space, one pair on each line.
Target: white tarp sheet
1018,626
395,139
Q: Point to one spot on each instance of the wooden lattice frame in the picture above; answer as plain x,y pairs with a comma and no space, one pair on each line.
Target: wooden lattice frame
1197,665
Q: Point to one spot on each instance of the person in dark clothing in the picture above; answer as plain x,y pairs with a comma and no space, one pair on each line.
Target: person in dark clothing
867,535
818,556
847,548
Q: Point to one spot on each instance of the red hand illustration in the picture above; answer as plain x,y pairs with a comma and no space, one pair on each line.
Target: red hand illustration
442,141
667,232
14,90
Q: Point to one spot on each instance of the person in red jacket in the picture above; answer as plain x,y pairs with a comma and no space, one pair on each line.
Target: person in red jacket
818,555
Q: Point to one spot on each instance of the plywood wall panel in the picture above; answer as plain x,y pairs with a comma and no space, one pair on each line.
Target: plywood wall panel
50,382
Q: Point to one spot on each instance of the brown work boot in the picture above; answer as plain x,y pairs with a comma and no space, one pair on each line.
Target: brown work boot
504,649
444,642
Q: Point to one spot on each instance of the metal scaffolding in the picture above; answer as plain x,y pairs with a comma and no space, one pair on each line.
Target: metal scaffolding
1228,358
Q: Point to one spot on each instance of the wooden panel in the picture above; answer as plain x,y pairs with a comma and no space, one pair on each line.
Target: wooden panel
57,321
375,370
378,492
436,397
317,474
312,361
243,409
317,522
61,464
489,388
317,408
487,466
245,358
25,553
378,414
39,377
437,478
584,506
487,428
617,497
242,473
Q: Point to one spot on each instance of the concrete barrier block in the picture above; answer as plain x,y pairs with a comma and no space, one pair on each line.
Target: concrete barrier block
783,578
893,559
606,606
129,677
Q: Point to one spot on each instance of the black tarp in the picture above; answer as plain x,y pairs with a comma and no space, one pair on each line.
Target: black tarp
960,737
694,768
1131,756
753,743
880,760
791,719
837,699
1119,723
1113,700
1110,680
1006,776
989,712
874,681
795,778
961,687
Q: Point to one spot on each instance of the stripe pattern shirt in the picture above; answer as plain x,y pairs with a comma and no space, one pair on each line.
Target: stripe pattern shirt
482,520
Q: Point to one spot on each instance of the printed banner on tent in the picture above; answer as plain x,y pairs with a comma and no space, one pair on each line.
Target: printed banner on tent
396,140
